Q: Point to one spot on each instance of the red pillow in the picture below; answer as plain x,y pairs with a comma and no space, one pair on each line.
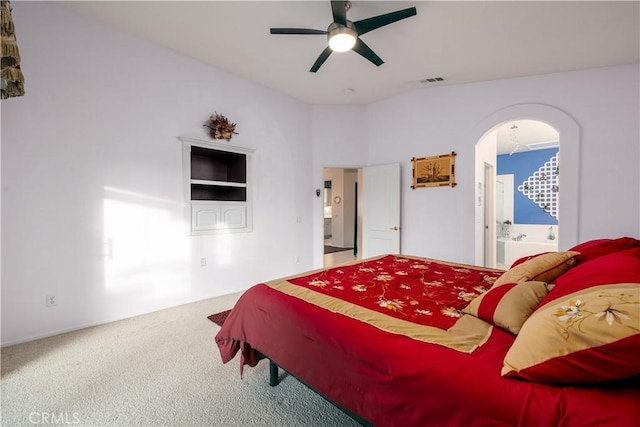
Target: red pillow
618,267
597,248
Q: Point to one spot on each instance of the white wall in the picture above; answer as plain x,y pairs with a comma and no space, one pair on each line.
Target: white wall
91,149
92,146
439,222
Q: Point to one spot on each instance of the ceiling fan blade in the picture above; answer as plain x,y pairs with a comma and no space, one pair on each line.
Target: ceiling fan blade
364,50
296,31
365,25
323,57
339,10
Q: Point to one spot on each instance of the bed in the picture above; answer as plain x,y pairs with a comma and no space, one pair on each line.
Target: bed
407,341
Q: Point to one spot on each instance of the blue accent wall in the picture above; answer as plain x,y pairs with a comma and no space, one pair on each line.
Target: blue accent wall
522,166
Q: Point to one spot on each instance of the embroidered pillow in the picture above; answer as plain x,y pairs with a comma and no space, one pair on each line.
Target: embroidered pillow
544,268
509,305
589,336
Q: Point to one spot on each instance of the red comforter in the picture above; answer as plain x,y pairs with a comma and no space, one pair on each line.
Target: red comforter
392,380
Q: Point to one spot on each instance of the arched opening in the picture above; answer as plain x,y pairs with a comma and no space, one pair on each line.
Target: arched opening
496,129
521,194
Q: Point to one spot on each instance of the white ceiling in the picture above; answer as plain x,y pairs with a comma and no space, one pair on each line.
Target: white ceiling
462,42
520,136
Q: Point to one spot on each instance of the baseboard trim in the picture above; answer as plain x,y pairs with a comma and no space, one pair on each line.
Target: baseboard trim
98,323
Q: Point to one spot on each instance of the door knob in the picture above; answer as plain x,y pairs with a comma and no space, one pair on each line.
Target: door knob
394,228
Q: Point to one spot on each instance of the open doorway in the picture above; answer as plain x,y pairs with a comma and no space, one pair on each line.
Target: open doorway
518,175
342,213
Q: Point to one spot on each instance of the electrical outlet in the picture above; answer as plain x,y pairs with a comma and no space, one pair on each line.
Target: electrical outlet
203,262
52,300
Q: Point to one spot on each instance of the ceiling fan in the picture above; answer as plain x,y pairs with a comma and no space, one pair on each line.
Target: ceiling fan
344,35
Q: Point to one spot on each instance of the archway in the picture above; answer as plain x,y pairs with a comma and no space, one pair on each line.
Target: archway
569,132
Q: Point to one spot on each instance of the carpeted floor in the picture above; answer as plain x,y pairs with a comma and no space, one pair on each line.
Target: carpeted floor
332,249
159,369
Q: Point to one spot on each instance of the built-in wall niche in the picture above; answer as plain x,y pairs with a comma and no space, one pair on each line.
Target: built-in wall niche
218,175
217,186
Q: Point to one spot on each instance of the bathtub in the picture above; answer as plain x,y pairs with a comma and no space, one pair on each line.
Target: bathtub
508,251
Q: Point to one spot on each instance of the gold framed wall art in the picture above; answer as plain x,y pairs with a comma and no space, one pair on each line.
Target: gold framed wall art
434,171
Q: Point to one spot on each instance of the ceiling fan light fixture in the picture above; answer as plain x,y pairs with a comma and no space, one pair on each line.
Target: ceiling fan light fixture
342,42
341,39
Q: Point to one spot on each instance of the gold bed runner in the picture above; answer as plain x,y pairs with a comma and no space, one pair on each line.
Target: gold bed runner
466,335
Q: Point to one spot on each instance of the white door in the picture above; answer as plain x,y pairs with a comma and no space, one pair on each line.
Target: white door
381,210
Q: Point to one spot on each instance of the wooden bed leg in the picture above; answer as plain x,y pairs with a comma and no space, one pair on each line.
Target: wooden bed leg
273,374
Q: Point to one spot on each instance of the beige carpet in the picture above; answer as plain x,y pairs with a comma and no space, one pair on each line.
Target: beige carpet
159,369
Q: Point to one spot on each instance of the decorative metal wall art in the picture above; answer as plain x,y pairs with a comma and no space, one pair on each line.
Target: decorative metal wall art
543,186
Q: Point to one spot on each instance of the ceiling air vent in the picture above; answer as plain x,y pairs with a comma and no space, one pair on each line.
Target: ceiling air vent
432,80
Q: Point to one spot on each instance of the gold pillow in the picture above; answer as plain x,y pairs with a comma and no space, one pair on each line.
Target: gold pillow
508,306
589,336
543,268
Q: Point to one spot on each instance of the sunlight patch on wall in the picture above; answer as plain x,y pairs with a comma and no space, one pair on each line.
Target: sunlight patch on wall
221,246
146,251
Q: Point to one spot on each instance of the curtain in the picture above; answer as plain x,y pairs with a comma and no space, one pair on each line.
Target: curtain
11,78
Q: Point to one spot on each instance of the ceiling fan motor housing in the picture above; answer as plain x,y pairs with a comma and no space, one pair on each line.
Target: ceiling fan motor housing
348,33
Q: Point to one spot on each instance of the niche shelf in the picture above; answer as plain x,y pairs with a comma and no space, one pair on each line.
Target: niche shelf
216,186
